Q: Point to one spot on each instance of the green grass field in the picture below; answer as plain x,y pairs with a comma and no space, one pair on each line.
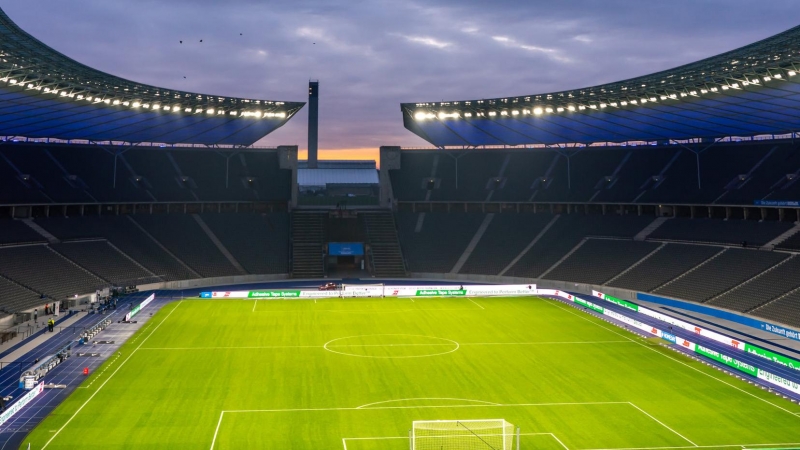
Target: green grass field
354,374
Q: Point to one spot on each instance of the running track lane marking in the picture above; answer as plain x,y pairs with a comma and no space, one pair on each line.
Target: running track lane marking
662,424
110,376
556,303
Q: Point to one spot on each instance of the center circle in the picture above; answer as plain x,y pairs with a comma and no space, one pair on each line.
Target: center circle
391,346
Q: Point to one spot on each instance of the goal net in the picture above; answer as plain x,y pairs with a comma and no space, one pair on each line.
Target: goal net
489,434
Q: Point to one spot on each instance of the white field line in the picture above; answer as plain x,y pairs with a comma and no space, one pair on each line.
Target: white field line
255,303
699,446
358,408
428,398
383,438
476,303
559,441
556,304
388,345
214,441
111,376
662,424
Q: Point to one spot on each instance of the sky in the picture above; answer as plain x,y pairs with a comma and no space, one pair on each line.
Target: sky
370,56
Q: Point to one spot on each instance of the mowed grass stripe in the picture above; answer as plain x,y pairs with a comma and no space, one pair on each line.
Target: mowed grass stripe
515,351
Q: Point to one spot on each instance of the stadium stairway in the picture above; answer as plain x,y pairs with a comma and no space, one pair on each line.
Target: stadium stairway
387,255
308,237
648,230
782,238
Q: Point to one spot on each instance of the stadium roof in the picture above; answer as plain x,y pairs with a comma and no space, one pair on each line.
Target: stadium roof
753,90
44,93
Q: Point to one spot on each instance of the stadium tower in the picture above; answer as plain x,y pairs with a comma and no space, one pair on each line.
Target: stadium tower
313,123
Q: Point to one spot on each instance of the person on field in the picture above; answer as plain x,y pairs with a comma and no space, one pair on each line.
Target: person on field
51,324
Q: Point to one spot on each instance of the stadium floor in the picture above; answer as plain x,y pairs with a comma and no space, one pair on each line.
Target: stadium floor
354,374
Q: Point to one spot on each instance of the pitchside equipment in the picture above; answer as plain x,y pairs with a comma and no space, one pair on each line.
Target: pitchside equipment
489,434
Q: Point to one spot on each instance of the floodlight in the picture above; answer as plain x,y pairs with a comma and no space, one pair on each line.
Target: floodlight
792,73
116,102
537,111
210,111
548,110
503,113
515,113
571,108
418,116
560,109
492,113
468,114
778,76
136,104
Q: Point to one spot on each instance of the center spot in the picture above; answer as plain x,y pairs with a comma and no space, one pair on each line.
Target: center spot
391,346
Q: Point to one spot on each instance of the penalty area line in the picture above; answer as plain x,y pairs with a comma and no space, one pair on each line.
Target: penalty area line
662,424
111,376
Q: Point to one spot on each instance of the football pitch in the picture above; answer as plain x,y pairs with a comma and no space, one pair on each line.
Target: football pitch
353,374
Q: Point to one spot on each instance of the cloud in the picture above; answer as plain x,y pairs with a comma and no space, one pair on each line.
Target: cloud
429,41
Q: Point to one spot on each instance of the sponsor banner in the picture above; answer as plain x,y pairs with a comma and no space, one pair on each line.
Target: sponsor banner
19,404
704,351
279,294
748,321
669,337
776,203
440,293
774,357
135,310
387,291
727,360
618,301
588,304
686,344
786,332
779,381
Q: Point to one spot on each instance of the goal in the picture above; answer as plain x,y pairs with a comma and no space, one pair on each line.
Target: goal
487,434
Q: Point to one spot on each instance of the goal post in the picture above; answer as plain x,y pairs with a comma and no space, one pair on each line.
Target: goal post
484,434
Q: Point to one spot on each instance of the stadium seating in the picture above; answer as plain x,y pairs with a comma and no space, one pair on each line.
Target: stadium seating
605,174
39,268
505,237
785,309
437,245
105,261
663,266
126,236
259,242
793,243
720,231
183,237
725,271
17,298
764,287
16,232
599,260
85,174
567,232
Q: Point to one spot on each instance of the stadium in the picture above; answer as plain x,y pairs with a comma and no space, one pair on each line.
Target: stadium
612,267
